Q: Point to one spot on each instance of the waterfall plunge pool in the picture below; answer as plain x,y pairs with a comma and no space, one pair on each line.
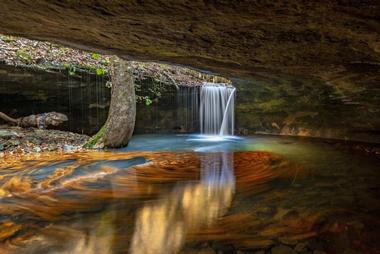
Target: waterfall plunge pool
190,194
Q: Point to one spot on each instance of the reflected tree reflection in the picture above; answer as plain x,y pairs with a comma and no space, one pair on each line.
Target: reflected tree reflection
162,226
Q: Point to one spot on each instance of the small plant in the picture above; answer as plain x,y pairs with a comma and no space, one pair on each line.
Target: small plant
72,73
95,56
7,38
70,68
148,101
105,62
100,72
24,56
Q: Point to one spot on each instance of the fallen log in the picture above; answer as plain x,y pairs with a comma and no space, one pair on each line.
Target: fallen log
41,121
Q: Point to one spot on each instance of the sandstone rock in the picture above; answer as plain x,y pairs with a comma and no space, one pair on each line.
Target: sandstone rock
239,37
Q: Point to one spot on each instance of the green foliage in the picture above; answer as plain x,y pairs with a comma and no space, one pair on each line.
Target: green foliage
24,56
271,105
100,72
70,68
95,56
105,62
7,38
73,69
148,101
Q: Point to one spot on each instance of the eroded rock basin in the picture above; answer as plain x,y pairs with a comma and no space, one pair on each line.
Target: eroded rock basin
191,194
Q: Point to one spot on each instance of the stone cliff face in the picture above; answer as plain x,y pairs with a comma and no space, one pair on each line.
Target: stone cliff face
304,63
304,106
284,105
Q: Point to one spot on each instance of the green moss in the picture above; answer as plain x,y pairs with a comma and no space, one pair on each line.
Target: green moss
24,56
94,139
7,38
271,105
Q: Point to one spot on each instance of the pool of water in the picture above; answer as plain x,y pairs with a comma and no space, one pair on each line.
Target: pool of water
193,194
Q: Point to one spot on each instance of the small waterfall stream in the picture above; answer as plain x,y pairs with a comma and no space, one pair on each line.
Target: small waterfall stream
217,107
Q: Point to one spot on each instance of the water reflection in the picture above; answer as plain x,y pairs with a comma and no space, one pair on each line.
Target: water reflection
162,226
168,202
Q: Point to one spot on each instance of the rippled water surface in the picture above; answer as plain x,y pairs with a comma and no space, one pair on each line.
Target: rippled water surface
192,194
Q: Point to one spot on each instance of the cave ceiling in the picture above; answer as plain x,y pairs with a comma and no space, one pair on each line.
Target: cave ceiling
337,41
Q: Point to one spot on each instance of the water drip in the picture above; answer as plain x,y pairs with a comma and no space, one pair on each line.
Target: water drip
188,109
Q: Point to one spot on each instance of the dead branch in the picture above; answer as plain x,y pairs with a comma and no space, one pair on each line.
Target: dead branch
41,121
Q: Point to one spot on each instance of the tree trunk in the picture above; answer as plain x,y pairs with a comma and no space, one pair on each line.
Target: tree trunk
120,123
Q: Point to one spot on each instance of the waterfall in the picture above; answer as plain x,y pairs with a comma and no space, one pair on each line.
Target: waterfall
217,107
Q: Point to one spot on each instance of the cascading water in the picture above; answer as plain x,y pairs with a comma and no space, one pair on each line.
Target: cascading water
217,107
